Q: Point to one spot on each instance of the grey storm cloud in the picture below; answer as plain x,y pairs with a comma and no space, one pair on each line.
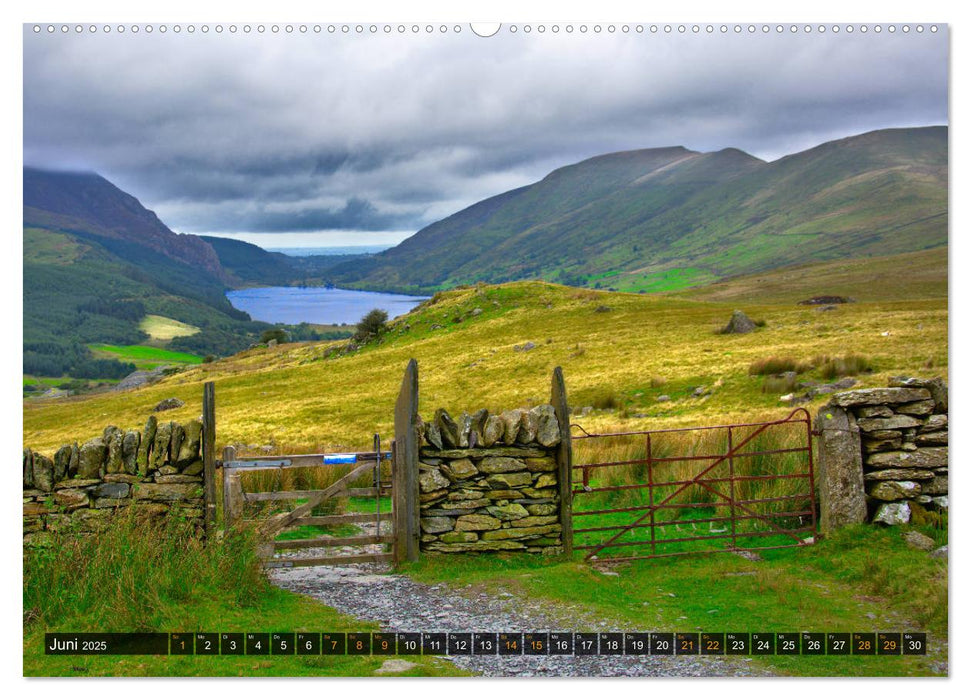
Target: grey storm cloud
303,132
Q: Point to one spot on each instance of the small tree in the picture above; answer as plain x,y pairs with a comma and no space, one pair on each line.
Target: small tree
277,334
372,324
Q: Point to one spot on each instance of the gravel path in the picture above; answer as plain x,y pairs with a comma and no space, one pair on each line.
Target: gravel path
369,592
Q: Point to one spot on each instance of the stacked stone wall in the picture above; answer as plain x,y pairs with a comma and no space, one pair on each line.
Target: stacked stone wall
884,453
80,487
490,482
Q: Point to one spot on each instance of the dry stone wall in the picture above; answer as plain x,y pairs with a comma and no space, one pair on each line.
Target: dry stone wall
883,453
80,487
489,482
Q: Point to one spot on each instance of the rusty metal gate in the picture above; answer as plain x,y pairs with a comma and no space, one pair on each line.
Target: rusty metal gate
659,493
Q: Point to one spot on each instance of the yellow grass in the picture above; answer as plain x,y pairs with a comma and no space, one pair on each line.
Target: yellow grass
292,395
162,328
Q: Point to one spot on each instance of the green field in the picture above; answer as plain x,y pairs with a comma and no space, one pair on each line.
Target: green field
145,356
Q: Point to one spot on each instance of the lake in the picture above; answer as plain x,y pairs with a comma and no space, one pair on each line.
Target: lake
317,304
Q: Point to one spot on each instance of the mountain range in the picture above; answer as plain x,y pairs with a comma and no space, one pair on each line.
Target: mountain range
662,218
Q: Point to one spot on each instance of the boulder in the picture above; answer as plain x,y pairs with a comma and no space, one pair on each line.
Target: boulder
917,408
62,463
936,486
479,546
43,473
437,525
111,490
938,438
129,451
882,395
541,464
513,511
477,522
528,426
72,466
919,541
922,458
893,514
545,480
510,480
500,465
934,423
160,450
28,468
459,469
936,386
940,553
91,459
518,533
893,490
453,537
873,412
166,493
433,436
477,428
541,509
190,447
899,475
448,429
71,499
547,426
493,431
114,441
511,421
739,323
168,404
143,461
895,422
175,442
465,430
432,480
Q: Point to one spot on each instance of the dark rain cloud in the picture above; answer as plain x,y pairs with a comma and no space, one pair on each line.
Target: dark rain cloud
246,133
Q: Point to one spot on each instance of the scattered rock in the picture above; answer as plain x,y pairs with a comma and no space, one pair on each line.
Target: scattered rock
397,665
739,323
940,553
525,347
918,540
168,404
893,514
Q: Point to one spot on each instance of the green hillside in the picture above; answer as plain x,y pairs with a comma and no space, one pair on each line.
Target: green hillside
620,352
670,218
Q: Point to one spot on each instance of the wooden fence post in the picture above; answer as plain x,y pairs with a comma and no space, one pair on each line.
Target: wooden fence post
405,468
209,456
564,460
229,507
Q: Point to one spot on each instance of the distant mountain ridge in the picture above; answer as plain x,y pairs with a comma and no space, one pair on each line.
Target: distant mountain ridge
669,217
90,203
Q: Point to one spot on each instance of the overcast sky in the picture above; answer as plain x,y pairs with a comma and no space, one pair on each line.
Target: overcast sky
331,139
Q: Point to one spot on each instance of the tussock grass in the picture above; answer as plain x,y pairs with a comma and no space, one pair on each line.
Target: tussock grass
135,576
846,366
776,365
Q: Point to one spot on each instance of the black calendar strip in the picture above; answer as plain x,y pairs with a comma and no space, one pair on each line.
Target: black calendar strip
488,643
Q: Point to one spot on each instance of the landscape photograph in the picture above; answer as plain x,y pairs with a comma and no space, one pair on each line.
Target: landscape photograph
522,350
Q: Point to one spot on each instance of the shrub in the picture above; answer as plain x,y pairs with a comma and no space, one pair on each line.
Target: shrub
658,382
605,398
372,324
277,334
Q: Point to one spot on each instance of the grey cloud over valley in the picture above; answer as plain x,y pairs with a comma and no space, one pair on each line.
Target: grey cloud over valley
233,133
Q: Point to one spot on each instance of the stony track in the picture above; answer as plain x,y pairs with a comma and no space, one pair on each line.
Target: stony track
400,604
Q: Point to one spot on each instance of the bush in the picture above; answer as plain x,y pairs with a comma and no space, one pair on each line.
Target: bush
371,325
277,334
778,385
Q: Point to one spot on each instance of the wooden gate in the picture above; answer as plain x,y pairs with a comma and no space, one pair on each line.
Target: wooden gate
657,493
363,466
